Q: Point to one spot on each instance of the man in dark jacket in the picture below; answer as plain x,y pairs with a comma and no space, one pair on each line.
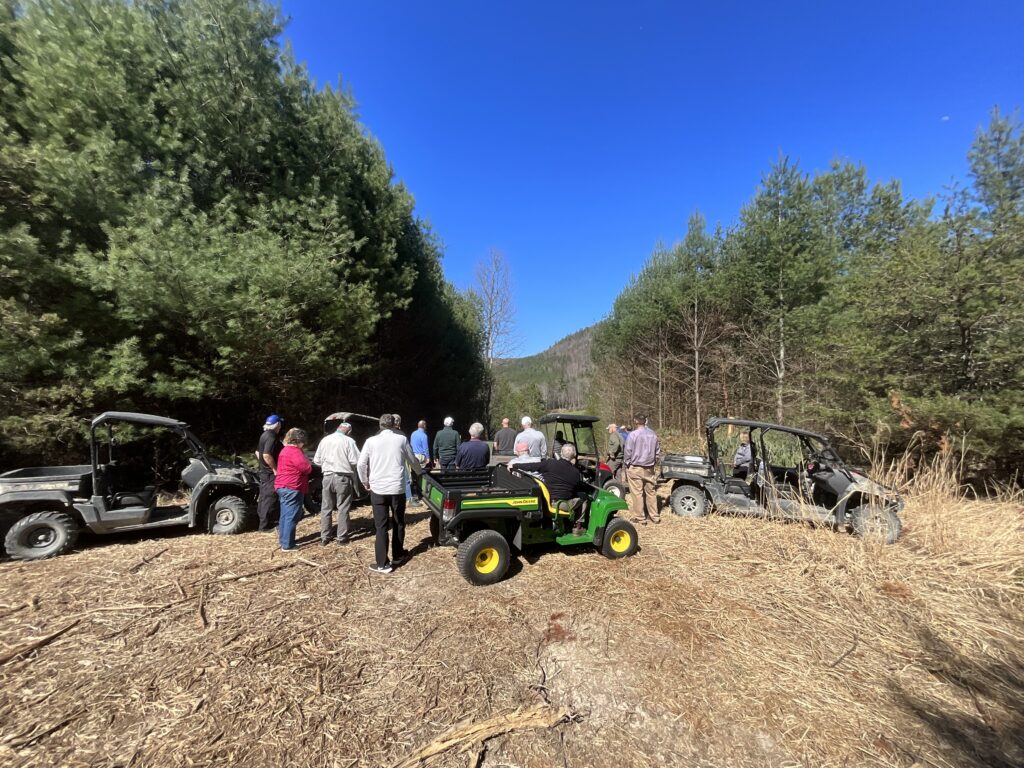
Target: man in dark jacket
560,476
475,454
446,444
270,445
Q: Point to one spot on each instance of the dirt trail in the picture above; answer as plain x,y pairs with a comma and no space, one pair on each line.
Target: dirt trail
724,642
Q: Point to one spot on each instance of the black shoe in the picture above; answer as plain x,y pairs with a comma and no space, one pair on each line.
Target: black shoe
342,540
381,568
400,559
324,542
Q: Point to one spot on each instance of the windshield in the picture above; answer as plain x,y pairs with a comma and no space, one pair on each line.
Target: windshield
584,439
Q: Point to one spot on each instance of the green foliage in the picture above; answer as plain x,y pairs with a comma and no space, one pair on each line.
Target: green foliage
188,225
841,306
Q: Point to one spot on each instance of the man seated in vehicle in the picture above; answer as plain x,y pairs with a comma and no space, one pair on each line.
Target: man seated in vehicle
564,482
743,459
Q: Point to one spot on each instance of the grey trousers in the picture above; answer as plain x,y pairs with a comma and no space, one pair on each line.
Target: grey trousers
338,494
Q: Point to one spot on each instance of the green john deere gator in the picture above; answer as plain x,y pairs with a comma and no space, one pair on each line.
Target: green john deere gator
488,513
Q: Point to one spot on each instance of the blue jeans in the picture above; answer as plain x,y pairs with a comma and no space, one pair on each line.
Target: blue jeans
291,512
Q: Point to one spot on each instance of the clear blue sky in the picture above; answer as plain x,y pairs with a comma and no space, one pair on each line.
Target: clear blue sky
573,136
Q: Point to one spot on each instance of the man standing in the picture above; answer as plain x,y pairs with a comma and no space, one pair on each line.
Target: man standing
642,452
420,443
381,469
337,456
269,449
505,440
411,498
446,444
615,446
743,459
475,454
534,440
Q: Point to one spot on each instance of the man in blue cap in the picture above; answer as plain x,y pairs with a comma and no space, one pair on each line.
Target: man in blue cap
266,454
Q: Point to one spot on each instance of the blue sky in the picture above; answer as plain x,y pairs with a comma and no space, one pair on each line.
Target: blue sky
575,136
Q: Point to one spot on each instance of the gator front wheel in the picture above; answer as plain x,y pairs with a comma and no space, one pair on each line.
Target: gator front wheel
619,539
41,535
483,557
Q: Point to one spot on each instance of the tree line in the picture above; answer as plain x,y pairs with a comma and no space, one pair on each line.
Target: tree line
844,305
189,225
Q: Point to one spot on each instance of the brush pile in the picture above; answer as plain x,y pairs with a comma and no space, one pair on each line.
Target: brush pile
724,642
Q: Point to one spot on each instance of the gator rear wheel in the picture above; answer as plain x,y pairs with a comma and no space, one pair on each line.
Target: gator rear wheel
483,557
870,521
689,501
229,515
41,535
619,539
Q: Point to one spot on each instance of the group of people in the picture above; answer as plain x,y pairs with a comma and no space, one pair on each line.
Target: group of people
381,467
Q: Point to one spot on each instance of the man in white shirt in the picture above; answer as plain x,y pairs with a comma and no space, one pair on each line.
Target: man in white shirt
337,456
381,469
535,441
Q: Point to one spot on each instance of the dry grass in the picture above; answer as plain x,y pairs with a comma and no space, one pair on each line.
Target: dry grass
724,642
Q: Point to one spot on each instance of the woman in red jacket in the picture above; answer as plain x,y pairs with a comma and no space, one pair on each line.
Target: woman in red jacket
292,485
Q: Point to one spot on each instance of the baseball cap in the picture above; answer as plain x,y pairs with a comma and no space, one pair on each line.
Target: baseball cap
273,419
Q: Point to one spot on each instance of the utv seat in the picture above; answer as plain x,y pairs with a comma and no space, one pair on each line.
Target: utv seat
144,498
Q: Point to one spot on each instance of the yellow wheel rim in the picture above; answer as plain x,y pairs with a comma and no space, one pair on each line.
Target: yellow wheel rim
487,560
620,541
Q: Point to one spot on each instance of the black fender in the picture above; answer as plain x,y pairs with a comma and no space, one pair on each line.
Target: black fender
12,501
208,491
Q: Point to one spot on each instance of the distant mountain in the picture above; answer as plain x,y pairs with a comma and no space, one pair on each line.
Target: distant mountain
562,372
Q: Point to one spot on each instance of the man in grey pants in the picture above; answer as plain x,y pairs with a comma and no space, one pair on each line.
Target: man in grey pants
337,456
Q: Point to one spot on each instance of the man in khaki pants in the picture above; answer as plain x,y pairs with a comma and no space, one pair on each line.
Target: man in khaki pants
642,452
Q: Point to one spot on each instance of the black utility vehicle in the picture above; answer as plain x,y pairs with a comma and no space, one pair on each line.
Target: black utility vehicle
578,430
134,456
796,475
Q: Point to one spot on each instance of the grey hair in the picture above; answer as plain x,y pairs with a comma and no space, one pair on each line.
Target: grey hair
568,452
527,421
476,429
398,419
387,421
345,427
448,421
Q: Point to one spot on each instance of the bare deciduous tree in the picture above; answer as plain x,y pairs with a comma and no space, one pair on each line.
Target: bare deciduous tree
494,289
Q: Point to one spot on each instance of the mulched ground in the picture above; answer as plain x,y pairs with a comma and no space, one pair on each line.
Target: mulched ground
724,642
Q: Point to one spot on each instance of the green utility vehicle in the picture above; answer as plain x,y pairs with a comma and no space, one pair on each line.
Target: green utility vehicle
488,512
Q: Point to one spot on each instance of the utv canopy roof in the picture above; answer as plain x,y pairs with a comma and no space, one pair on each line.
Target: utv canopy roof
715,423
138,418
346,416
573,417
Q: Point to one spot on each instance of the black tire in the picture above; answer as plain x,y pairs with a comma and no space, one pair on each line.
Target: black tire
41,535
435,529
688,501
620,539
870,521
230,515
483,557
616,488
